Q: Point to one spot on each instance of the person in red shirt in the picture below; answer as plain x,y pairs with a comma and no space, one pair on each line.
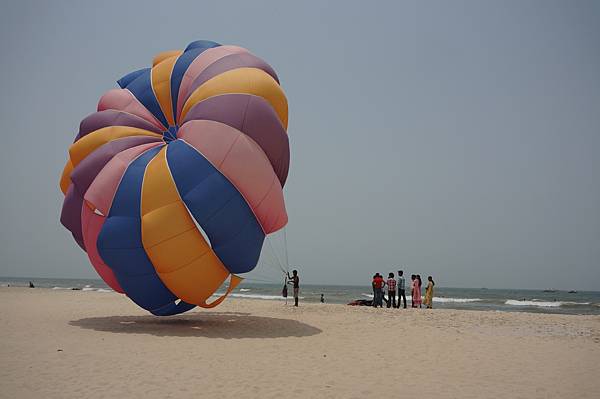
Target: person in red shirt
378,284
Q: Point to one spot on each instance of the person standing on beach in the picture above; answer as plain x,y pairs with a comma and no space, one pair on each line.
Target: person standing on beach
378,284
295,280
374,290
412,290
401,288
391,283
419,283
382,297
416,291
429,293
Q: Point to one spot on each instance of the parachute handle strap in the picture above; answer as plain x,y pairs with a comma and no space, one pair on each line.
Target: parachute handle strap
233,282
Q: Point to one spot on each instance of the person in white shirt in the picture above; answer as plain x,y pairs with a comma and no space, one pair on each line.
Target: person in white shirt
401,286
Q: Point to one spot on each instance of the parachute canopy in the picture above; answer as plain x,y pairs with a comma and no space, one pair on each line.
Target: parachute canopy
173,184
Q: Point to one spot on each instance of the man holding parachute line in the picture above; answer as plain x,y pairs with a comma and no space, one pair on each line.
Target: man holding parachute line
295,280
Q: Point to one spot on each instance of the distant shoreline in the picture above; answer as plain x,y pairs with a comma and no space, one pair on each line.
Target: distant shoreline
3,278
457,299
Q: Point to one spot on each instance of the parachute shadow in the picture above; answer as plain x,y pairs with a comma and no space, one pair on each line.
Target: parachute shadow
228,325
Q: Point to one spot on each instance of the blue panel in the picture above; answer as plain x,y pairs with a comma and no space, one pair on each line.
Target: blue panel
218,207
141,87
130,77
201,44
120,245
181,66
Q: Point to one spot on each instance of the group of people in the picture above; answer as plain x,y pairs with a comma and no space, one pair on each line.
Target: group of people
392,285
379,285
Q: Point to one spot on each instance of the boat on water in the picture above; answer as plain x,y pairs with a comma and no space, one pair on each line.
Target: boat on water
550,290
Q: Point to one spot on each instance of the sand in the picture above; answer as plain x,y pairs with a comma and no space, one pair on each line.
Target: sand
74,344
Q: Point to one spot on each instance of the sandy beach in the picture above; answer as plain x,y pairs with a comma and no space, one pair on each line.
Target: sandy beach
67,344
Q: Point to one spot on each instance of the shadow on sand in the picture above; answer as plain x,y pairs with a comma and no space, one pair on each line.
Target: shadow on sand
229,325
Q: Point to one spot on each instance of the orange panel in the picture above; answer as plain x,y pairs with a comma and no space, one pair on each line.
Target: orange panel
65,178
242,80
88,143
160,57
161,85
184,261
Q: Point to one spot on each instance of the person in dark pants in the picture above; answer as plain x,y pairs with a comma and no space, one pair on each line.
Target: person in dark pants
378,284
374,290
295,280
420,283
401,288
391,284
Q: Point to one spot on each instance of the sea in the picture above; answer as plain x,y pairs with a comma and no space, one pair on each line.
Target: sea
508,300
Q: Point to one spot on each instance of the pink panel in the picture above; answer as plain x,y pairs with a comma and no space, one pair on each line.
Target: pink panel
92,224
244,163
102,190
272,220
201,62
124,100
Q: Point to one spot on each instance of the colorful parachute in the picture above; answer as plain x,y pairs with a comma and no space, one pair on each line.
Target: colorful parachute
173,184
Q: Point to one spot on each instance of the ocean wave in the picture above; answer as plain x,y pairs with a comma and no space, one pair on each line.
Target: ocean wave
542,304
244,289
256,296
104,290
439,299
88,288
60,288
456,300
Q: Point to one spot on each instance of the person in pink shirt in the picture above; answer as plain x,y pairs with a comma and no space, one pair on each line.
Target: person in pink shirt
416,292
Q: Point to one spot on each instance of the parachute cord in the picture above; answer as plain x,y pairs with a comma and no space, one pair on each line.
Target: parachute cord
273,266
270,261
260,280
280,264
275,261
285,248
267,278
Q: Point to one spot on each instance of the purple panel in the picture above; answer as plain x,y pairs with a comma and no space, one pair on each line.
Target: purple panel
111,117
70,216
84,174
79,241
233,61
253,116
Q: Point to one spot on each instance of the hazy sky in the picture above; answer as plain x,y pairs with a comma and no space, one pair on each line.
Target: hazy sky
458,139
